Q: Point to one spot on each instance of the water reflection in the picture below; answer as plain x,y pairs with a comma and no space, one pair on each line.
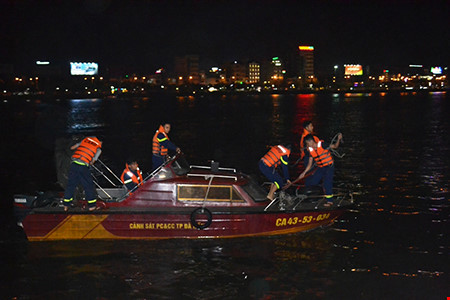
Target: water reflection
84,116
397,151
269,267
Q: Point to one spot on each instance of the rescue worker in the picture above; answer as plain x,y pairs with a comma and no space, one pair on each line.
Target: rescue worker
86,153
307,129
277,155
162,145
131,176
320,154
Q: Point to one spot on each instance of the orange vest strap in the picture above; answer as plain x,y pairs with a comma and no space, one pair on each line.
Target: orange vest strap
321,156
136,179
87,149
274,156
157,148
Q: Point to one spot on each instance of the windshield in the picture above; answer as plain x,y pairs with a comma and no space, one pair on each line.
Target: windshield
255,191
180,166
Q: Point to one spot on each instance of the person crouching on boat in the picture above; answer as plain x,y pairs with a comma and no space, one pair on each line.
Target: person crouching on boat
162,145
277,155
320,154
131,176
86,153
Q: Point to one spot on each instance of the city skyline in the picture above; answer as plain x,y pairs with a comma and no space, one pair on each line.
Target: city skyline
147,35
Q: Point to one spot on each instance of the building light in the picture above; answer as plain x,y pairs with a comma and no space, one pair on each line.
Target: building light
306,48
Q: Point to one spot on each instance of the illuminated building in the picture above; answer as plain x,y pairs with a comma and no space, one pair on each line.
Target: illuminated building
236,72
187,69
215,75
307,55
254,72
277,69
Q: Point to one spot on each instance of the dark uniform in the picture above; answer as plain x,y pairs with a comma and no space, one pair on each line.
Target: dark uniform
277,155
161,147
325,169
86,152
131,178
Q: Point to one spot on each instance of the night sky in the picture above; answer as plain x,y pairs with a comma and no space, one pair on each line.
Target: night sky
145,35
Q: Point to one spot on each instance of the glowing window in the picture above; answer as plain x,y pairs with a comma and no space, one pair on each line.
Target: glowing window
194,192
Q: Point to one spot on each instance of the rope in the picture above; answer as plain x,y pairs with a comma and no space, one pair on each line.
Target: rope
334,151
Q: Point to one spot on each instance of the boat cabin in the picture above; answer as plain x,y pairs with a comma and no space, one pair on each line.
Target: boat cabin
178,184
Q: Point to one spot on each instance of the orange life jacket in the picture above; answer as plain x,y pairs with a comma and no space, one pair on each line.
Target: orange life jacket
159,149
87,149
302,144
321,156
274,156
136,179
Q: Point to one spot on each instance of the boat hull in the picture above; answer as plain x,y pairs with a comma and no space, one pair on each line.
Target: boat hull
163,225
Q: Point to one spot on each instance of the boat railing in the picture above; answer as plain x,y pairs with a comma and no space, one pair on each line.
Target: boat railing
209,168
284,200
117,193
107,176
212,176
108,193
214,167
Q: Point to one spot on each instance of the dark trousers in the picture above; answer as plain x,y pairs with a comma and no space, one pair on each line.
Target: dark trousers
308,179
325,173
157,161
271,174
80,174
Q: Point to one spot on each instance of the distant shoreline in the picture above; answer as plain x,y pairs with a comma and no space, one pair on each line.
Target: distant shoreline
195,93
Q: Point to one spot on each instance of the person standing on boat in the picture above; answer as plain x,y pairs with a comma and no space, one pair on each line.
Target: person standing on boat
162,145
131,176
307,129
304,153
277,155
320,154
86,153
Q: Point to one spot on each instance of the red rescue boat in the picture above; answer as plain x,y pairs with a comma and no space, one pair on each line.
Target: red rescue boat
180,201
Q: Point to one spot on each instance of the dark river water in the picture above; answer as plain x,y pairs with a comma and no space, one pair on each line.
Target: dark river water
393,245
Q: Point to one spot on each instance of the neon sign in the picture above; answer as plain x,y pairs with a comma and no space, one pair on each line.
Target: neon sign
306,48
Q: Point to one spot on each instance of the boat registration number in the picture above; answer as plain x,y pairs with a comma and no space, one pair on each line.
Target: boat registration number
295,220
